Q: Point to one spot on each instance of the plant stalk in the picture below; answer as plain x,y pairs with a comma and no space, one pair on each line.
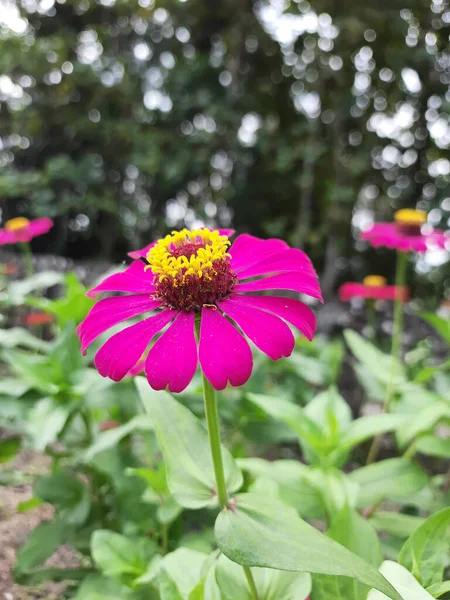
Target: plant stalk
212,420
27,259
400,281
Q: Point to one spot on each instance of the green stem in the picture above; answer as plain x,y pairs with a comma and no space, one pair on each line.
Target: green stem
400,281
212,419
27,258
87,419
371,318
251,582
164,538
410,450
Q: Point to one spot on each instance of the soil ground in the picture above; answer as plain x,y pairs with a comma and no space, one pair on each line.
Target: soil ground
15,527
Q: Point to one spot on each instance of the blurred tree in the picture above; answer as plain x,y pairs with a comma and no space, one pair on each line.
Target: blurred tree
121,118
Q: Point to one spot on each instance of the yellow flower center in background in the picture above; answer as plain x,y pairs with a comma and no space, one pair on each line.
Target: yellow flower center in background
374,281
17,223
186,253
409,216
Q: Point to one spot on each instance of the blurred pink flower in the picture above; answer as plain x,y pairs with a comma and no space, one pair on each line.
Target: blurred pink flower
405,234
21,229
193,279
373,287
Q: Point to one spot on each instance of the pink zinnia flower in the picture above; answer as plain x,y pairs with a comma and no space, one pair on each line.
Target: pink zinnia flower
198,286
406,233
21,229
373,287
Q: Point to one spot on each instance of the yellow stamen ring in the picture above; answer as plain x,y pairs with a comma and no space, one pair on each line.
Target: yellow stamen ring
374,281
409,216
17,224
166,259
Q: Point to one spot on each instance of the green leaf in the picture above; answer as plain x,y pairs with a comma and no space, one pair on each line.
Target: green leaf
388,479
441,325
45,422
335,487
397,524
68,494
431,445
54,574
108,439
382,366
9,447
402,581
294,485
259,532
41,544
30,504
65,354
73,306
270,583
366,427
32,369
13,387
183,569
309,432
97,587
184,442
18,336
425,553
359,536
168,511
116,554
310,369
329,407
18,291
423,421
439,589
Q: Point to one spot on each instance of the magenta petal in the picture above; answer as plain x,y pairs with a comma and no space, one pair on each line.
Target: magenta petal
39,226
123,350
284,261
285,281
224,354
142,252
7,237
134,279
291,310
227,232
172,361
269,333
111,311
248,249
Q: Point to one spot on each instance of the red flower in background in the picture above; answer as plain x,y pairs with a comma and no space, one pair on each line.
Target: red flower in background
39,318
21,229
8,269
107,425
406,233
373,287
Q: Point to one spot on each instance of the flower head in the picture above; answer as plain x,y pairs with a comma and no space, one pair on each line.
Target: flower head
373,287
21,229
198,288
406,233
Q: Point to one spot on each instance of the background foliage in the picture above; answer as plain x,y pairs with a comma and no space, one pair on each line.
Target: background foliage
121,118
